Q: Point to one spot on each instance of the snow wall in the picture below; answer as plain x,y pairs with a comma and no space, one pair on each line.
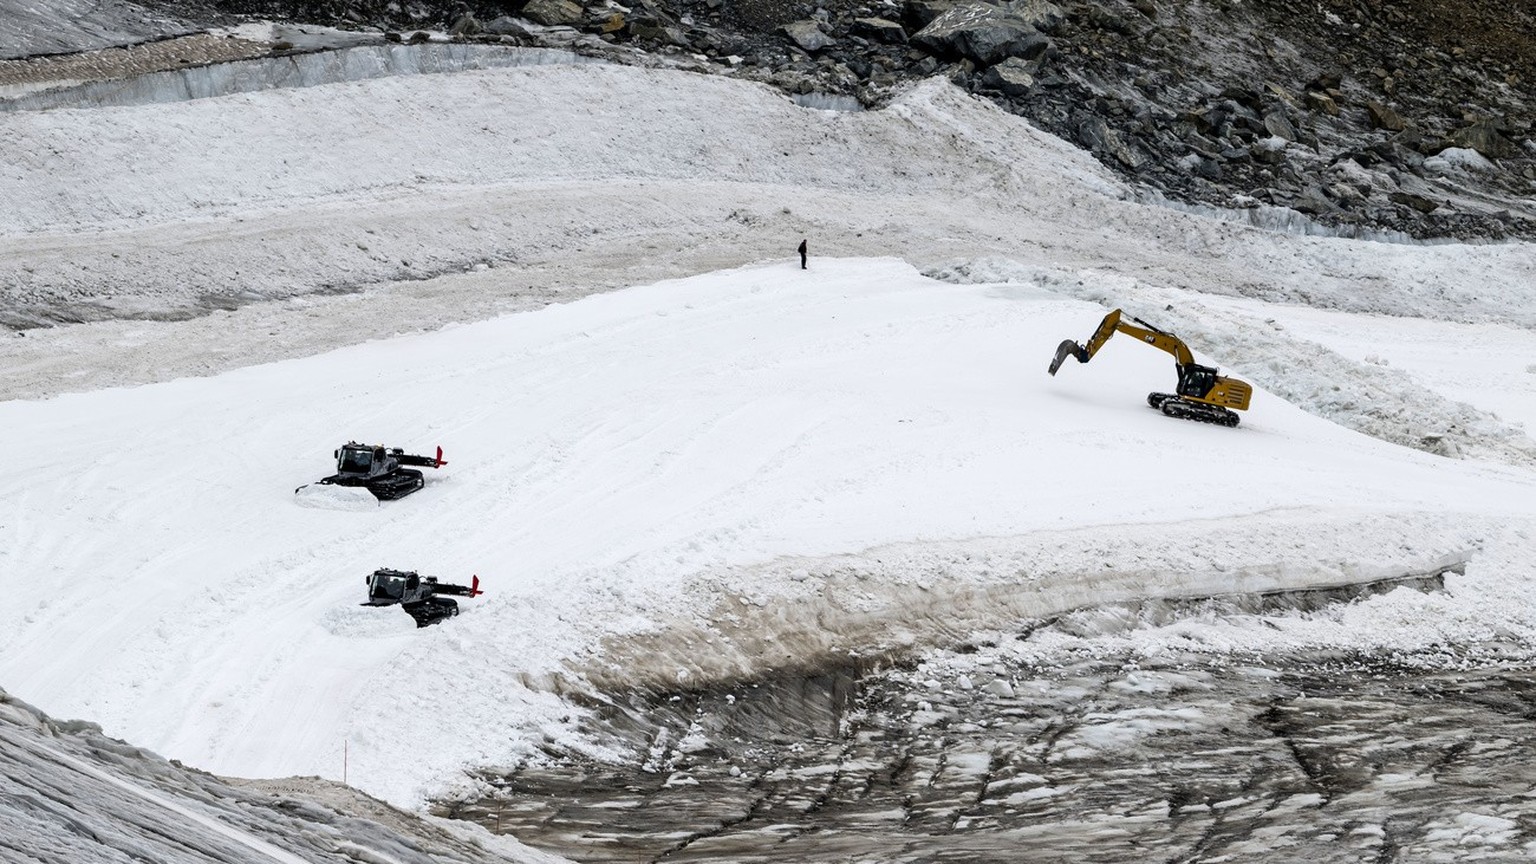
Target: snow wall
293,70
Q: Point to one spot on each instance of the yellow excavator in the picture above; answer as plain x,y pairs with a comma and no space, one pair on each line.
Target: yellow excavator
1202,394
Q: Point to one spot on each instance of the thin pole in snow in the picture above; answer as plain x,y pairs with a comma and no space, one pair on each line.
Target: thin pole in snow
343,761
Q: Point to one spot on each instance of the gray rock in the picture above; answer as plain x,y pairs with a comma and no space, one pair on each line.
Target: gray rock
808,35
1104,19
1325,82
1096,134
1383,117
1314,202
1012,77
1278,125
920,13
1266,155
553,13
1039,14
506,25
656,31
1416,202
465,26
1321,102
989,33
880,30
610,23
1210,169
1485,138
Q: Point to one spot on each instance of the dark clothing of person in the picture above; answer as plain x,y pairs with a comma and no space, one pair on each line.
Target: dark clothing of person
802,254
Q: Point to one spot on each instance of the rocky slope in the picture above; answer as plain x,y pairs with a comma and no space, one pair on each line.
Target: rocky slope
1370,116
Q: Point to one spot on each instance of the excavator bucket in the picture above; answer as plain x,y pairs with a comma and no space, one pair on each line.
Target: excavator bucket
1067,349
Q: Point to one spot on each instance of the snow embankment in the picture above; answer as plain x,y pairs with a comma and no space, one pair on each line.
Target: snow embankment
270,73
633,460
600,176
75,796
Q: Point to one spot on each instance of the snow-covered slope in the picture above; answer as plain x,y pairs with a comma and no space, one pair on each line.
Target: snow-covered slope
30,27
74,796
597,176
627,463
675,481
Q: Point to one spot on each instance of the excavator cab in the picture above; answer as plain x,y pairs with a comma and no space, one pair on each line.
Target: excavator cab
1195,381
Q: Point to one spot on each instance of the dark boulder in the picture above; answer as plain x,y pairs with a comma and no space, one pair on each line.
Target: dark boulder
1012,77
1486,138
1278,125
808,35
1097,135
506,26
917,14
879,30
988,33
554,13
1319,101
1383,117
1416,202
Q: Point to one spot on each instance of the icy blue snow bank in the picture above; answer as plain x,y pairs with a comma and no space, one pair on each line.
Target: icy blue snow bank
294,70
827,102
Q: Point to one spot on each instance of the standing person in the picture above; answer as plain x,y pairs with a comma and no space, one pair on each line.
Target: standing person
802,254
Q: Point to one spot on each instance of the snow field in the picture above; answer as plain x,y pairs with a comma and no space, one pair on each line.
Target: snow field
696,478
631,460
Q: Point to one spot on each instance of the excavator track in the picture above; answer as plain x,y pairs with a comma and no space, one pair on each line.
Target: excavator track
1186,409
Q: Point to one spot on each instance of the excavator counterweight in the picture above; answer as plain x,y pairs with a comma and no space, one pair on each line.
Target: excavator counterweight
1201,394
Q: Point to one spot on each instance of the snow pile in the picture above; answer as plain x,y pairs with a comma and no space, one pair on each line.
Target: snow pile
879,604
1454,158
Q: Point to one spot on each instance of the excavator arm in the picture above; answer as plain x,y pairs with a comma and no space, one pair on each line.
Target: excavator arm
1160,339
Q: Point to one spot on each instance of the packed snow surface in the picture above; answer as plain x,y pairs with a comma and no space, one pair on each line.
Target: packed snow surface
752,466
608,457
